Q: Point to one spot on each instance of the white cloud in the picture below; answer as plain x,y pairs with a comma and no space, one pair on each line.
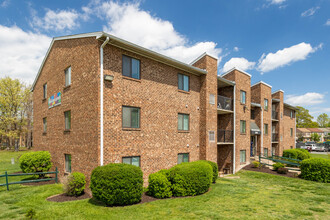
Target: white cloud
310,12
129,22
4,3
286,56
328,22
21,53
236,49
238,62
310,98
276,2
56,20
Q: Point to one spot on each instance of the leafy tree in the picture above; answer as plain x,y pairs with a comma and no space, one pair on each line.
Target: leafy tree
323,120
313,124
315,137
15,112
303,118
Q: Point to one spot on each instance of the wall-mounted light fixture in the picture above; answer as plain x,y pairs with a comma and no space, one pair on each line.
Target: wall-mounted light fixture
108,78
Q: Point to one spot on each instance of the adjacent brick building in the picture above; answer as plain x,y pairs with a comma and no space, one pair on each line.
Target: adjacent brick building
99,99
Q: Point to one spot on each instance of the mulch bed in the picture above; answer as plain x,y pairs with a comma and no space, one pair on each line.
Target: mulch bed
64,198
265,169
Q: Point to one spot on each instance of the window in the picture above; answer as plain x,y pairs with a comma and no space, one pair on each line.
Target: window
242,156
67,163
44,120
266,104
266,129
45,90
291,114
67,73
265,152
67,116
132,160
131,67
243,97
212,99
183,122
252,114
243,127
131,117
211,136
291,132
183,82
291,147
183,158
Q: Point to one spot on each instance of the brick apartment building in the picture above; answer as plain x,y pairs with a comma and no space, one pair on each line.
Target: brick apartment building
99,99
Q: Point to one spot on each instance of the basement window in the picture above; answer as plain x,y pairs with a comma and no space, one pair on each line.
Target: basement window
132,161
184,157
242,156
67,163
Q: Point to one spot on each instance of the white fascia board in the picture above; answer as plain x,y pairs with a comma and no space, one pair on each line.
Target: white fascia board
118,42
280,90
226,81
261,82
235,68
201,56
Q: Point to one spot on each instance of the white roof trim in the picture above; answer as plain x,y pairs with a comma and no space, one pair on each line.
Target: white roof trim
170,61
235,68
255,104
280,90
261,82
201,56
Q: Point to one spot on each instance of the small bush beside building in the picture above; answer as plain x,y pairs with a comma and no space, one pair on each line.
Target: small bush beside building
316,169
159,186
75,184
117,184
34,162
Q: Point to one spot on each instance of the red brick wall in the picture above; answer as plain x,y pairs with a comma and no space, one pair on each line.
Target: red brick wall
82,142
288,140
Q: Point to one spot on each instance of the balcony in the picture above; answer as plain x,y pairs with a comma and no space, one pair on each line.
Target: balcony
274,115
274,137
225,137
225,105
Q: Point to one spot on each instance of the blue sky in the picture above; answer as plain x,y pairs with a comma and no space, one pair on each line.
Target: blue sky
284,43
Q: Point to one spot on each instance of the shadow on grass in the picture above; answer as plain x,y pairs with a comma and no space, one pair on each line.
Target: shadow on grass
96,202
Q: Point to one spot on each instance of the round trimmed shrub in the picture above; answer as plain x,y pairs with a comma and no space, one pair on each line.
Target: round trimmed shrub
75,184
117,184
316,169
159,186
190,179
291,153
278,165
34,162
302,154
214,168
256,164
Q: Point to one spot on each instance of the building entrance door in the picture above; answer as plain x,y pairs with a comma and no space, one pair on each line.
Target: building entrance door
253,150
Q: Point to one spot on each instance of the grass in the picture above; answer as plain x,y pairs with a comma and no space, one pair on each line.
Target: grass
326,156
252,196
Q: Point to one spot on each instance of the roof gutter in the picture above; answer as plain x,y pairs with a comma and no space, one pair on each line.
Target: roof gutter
101,100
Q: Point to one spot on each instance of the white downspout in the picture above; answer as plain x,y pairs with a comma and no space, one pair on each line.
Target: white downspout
234,150
101,100
262,131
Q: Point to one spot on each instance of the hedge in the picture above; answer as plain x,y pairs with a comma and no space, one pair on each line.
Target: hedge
278,165
316,169
303,154
117,184
291,153
189,179
159,186
75,184
214,168
34,162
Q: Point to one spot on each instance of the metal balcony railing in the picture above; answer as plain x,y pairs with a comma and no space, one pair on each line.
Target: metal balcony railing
225,136
225,103
275,115
274,137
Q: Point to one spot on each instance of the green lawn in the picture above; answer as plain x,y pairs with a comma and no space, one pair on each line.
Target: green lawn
252,196
326,156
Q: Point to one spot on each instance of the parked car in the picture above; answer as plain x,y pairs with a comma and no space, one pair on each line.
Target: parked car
320,148
311,146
